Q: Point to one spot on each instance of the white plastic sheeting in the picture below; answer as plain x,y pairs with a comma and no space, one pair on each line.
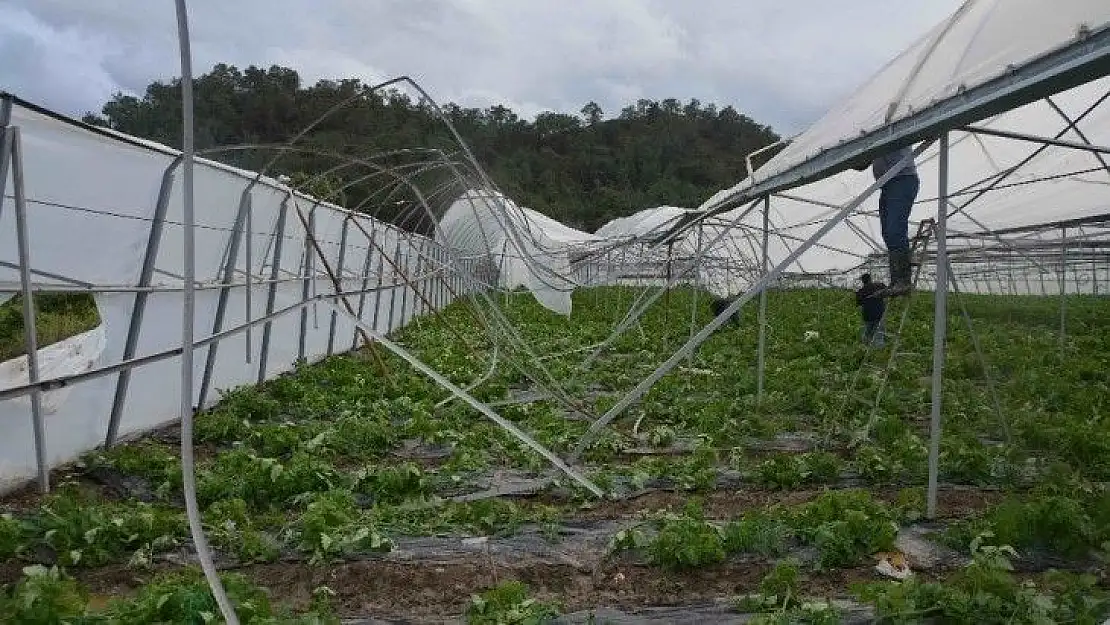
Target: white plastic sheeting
67,357
1055,184
91,199
530,249
981,41
1023,182
714,256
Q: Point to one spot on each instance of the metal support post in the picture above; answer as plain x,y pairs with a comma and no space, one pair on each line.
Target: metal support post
1063,286
940,328
394,282
365,284
5,149
339,279
697,285
138,307
227,277
271,296
248,295
406,277
378,282
14,154
761,357
306,289
420,282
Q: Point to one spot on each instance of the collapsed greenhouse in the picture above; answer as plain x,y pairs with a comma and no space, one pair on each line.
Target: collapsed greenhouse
495,416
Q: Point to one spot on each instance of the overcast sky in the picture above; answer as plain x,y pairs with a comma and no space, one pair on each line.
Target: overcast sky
783,62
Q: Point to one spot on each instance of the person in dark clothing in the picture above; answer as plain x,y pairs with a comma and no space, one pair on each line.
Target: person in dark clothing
896,200
872,309
719,305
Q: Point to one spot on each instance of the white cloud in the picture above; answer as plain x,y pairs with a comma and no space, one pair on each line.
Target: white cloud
783,62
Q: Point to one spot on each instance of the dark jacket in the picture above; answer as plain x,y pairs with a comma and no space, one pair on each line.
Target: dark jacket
871,307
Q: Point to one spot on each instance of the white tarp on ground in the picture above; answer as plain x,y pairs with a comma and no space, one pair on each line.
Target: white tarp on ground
91,200
530,249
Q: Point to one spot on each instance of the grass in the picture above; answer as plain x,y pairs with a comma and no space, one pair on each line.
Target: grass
306,466
58,316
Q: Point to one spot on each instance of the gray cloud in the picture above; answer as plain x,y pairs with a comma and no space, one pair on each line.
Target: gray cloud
783,62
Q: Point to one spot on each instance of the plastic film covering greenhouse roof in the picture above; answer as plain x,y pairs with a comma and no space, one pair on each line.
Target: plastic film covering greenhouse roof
727,253
642,223
1029,183
530,249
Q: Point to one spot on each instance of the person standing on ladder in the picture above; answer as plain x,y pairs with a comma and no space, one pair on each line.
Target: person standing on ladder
872,309
895,203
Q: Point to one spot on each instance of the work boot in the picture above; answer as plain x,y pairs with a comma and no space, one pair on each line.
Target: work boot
900,270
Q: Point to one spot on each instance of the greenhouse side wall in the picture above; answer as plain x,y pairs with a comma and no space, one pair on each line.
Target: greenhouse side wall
91,204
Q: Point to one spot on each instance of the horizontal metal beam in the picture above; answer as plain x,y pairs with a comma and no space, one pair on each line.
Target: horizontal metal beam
1021,136
1093,220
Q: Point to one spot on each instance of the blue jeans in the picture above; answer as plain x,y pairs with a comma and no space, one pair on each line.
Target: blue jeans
895,203
874,332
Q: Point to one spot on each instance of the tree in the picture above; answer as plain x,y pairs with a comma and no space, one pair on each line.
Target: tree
581,171
592,113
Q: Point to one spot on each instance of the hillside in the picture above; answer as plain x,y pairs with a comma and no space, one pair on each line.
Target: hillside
582,170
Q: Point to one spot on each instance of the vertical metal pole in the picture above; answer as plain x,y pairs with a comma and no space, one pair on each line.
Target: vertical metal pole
339,280
365,285
1063,286
435,282
228,277
694,294
5,147
378,283
312,265
271,295
445,286
441,279
309,278
138,307
940,327
406,271
393,288
30,331
418,282
761,363
248,298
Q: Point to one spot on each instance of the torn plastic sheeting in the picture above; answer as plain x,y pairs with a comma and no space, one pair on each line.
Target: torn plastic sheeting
67,357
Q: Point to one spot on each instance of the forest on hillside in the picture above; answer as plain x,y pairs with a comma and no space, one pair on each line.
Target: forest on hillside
582,170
